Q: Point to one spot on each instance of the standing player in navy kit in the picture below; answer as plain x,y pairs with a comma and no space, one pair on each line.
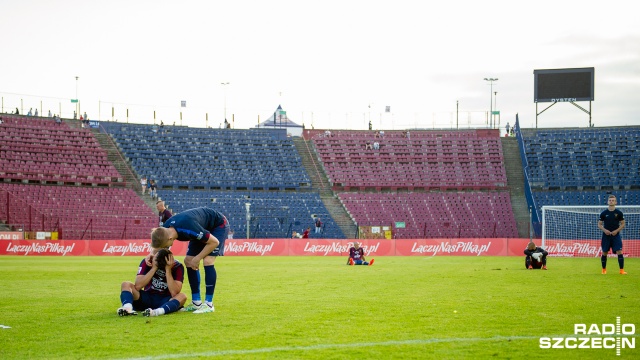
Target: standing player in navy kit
206,231
611,223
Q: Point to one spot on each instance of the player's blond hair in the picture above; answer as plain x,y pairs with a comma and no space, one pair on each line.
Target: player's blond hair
531,246
159,237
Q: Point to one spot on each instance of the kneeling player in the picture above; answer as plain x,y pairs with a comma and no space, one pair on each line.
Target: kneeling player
536,257
157,288
356,256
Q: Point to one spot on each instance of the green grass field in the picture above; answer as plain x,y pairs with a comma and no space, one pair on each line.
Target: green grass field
318,308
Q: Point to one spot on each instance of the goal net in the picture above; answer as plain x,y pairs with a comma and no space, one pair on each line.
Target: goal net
572,231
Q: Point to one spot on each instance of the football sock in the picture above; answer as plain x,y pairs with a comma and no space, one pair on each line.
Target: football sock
603,260
194,283
621,261
170,306
126,297
210,277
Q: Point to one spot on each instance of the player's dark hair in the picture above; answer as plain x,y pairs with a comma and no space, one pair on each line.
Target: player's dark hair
161,258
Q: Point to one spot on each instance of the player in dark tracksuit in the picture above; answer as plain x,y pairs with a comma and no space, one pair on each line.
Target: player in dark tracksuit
532,261
611,223
206,231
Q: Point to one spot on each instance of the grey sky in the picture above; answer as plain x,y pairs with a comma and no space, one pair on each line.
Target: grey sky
333,63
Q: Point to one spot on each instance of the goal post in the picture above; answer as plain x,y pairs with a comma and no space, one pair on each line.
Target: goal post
572,231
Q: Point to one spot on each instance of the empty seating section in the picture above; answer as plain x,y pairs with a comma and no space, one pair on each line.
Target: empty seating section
583,159
435,214
43,152
98,213
181,157
425,159
274,214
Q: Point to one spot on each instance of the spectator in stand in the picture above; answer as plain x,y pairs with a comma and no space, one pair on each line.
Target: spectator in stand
57,119
143,184
305,233
30,113
1,120
370,126
75,115
152,189
17,112
356,256
163,213
376,146
295,235
507,127
318,225
157,289
49,113
36,112
85,116
381,134
367,145
230,236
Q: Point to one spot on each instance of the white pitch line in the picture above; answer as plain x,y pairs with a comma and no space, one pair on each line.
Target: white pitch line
334,346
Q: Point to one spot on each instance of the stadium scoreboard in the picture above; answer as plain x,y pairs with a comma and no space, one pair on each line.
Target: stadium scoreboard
563,85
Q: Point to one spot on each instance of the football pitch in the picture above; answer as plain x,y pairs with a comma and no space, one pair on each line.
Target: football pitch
319,308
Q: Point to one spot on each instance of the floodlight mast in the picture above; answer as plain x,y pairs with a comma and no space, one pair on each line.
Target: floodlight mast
491,80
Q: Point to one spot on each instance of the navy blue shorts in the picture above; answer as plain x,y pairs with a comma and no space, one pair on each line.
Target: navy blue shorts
611,242
221,233
150,301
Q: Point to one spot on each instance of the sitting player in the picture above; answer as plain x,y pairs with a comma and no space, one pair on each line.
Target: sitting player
356,256
157,288
536,257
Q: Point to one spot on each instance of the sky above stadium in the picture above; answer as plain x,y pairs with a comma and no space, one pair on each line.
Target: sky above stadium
331,64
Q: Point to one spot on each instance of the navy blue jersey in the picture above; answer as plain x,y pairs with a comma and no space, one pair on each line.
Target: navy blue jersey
611,219
158,283
196,224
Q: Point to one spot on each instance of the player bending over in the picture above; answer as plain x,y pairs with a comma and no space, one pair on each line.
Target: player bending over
536,257
157,288
611,223
356,256
206,230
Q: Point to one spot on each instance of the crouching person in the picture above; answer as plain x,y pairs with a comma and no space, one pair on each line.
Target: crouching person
536,257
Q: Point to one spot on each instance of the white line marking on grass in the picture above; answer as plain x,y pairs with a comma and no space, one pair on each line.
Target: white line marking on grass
5,327
335,346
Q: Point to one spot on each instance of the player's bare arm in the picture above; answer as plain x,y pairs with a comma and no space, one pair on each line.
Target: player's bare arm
617,231
601,227
211,244
143,280
174,286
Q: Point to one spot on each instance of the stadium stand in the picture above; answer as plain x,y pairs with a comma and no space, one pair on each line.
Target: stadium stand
580,166
583,159
426,159
212,159
39,151
77,212
435,214
274,214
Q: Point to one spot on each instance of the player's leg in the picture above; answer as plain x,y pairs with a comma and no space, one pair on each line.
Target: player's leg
616,246
210,274
606,245
168,306
128,294
195,247
543,260
527,262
